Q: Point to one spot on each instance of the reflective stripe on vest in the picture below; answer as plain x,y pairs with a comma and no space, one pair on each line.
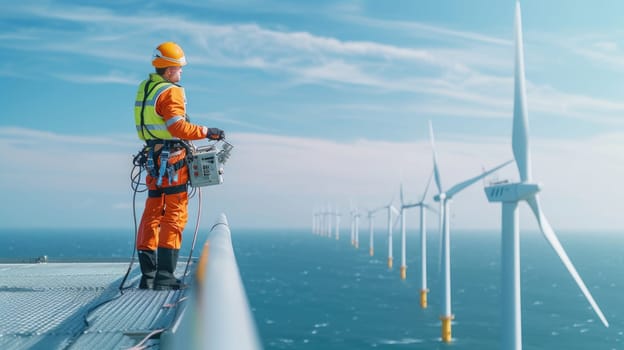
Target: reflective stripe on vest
154,126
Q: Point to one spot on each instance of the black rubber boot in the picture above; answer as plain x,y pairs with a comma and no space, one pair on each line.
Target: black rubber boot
167,261
147,261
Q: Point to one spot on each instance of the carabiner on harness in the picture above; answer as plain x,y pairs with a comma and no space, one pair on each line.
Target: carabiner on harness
164,161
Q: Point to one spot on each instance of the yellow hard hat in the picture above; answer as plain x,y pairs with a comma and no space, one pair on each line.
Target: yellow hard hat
168,54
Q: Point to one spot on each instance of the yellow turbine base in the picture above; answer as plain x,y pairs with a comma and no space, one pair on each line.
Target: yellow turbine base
423,298
371,252
403,272
389,263
446,328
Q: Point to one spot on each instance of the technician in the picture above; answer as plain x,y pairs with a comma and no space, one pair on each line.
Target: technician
162,122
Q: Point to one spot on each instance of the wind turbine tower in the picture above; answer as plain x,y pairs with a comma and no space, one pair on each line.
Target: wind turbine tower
355,226
444,197
329,214
423,241
337,225
357,229
404,206
391,209
509,194
371,240
352,227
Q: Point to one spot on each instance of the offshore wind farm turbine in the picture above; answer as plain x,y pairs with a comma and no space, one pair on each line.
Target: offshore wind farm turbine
328,221
444,197
391,209
509,194
337,215
317,226
355,226
371,240
323,220
334,222
403,238
403,208
352,222
421,205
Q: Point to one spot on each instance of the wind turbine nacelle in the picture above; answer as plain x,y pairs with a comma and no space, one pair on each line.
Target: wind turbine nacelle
511,192
439,197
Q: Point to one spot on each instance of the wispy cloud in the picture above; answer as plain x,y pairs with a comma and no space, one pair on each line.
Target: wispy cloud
423,29
551,101
111,78
456,75
221,118
294,174
597,49
16,137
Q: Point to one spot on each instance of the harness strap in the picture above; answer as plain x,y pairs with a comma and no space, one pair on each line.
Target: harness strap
167,190
151,163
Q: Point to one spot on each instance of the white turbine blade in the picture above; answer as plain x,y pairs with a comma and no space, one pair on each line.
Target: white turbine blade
401,194
426,188
396,221
394,210
460,186
550,236
520,134
436,172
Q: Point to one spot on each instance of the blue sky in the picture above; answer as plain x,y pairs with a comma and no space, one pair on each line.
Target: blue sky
325,102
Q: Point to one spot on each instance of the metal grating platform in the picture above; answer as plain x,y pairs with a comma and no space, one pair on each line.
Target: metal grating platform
79,306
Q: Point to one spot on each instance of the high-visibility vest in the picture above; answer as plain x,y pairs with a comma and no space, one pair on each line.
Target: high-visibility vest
150,125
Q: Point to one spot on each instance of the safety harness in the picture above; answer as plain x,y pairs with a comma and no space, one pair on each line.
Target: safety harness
148,157
165,169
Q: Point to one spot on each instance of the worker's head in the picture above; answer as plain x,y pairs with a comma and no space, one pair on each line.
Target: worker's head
168,59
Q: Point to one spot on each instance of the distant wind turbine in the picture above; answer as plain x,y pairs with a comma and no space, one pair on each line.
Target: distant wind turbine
338,215
352,223
355,226
329,215
371,241
357,229
444,197
423,241
509,194
404,207
391,209
403,238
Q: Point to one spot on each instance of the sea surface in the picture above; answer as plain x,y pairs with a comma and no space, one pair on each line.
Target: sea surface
313,292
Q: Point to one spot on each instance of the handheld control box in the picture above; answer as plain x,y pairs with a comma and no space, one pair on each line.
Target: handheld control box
206,164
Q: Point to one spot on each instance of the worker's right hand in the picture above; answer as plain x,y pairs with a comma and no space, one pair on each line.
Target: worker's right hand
215,134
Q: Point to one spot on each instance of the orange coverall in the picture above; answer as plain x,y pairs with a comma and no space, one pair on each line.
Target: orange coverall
165,217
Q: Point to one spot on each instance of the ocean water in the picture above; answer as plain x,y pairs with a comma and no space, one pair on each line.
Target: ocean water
312,292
